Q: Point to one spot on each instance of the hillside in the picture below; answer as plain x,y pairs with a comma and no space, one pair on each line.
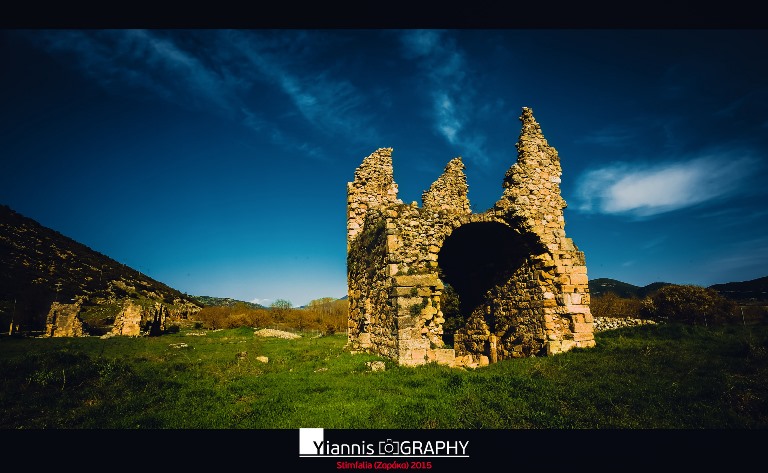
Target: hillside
39,266
753,290
602,286
225,302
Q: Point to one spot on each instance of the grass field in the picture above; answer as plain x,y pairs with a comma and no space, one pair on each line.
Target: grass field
650,377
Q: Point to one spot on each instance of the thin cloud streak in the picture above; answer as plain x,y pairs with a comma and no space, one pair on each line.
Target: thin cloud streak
644,191
742,257
608,137
144,60
452,95
329,104
140,59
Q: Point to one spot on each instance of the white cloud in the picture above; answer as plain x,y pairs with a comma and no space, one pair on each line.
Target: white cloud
642,191
264,302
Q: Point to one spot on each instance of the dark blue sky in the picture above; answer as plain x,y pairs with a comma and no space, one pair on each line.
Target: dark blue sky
216,161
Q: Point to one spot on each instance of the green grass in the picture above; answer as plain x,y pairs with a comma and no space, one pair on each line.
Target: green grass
648,377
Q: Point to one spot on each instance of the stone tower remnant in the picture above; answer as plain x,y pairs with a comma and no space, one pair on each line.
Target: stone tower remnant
521,283
63,320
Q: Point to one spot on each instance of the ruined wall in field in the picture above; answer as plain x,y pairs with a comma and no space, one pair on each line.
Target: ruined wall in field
63,321
521,282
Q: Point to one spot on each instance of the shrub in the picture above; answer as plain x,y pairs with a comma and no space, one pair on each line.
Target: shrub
689,304
611,305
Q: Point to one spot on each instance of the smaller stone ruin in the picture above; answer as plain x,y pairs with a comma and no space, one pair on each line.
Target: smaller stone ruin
135,320
63,321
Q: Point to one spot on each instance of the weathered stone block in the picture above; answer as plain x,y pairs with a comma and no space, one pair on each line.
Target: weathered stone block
582,327
579,278
581,336
577,308
445,356
417,280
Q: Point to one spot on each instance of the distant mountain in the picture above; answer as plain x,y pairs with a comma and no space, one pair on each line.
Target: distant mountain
225,302
602,286
39,266
755,289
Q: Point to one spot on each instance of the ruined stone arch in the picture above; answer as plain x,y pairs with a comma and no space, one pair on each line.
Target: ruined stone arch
524,283
474,259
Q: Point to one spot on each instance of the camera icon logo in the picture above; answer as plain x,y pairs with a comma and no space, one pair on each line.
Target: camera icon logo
389,447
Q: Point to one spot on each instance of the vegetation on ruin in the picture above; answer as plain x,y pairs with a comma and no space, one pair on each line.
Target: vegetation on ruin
666,376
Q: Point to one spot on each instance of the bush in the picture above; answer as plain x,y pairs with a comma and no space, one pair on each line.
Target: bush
326,315
221,317
611,305
689,304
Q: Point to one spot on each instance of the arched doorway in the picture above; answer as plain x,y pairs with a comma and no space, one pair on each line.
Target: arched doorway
473,259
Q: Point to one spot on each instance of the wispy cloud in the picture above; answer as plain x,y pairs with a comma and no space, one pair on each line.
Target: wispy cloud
452,95
144,60
646,190
744,257
611,136
654,243
231,75
329,103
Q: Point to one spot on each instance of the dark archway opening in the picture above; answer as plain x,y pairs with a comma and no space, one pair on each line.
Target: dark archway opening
473,259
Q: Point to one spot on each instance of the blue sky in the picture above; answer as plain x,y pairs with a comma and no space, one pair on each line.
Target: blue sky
216,161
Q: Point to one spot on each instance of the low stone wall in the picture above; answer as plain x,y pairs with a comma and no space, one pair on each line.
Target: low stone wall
602,324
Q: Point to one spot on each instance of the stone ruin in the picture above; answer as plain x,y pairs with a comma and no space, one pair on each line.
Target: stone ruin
133,320
520,282
63,321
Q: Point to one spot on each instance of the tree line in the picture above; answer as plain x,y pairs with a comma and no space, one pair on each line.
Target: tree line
326,315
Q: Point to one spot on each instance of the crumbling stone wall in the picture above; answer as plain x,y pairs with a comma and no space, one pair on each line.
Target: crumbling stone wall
135,320
521,281
128,321
63,321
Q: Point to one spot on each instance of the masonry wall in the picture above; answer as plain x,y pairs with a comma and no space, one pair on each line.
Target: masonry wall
532,298
63,320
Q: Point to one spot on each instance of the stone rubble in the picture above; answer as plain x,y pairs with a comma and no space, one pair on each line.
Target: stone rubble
268,332
603,324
